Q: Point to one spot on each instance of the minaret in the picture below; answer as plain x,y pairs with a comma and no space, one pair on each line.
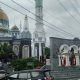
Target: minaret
26,25
26,39
39,33
26,33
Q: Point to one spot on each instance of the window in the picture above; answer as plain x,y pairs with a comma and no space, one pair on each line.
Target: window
14,75
35,74
23,75
40,38
36,35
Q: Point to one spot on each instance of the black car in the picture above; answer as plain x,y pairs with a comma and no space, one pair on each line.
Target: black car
36,74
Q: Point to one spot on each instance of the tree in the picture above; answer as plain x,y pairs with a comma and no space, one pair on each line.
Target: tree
47,52
6,52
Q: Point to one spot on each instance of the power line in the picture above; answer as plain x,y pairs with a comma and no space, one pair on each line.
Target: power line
77,4
59,19
46,12
50,33
40,18
34,19
74,7
68,11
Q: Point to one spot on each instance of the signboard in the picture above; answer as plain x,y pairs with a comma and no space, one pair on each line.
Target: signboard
30,64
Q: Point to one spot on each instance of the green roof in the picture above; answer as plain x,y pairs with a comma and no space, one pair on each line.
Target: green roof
14,28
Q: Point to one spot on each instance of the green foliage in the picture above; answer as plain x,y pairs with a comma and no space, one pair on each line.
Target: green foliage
19,64
6,51
22,64
47,52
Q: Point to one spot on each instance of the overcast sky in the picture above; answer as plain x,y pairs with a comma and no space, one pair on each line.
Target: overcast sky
53,12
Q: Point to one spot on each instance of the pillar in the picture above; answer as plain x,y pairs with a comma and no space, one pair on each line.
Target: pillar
77,59
59,58
67,60
35,51
40,50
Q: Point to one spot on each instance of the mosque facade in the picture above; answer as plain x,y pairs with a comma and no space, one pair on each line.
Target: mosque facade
21,41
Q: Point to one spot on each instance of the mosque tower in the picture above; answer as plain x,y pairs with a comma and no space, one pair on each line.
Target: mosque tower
39,33
26,33
26,38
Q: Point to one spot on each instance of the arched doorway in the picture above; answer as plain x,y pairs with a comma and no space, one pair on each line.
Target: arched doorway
74,57
16,49
64,56
25,51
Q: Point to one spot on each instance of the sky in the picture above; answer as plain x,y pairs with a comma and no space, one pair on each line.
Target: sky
61,14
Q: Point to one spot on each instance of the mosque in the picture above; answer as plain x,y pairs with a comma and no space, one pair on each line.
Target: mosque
21,41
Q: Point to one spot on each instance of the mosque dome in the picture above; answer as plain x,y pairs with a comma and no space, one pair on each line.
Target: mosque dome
15,28
4,21
3,15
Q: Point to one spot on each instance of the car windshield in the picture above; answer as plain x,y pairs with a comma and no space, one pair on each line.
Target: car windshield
23,75
35,74
14,75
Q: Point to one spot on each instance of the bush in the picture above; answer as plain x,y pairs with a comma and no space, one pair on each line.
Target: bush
22,64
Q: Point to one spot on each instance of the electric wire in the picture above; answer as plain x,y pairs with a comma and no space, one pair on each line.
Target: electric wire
33,18
40,18
59,19
68,11
74,7
76,1
50,34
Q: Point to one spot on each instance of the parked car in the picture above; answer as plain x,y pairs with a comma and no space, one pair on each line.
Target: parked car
36,74
3,75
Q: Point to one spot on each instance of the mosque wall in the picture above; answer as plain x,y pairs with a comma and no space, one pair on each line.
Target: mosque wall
55,44
65,60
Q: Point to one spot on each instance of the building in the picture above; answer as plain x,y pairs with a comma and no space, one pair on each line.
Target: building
65,57
39,38
21,41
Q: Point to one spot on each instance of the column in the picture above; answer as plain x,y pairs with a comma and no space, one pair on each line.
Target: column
67,60
40,50
35,51
77,60
59,60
